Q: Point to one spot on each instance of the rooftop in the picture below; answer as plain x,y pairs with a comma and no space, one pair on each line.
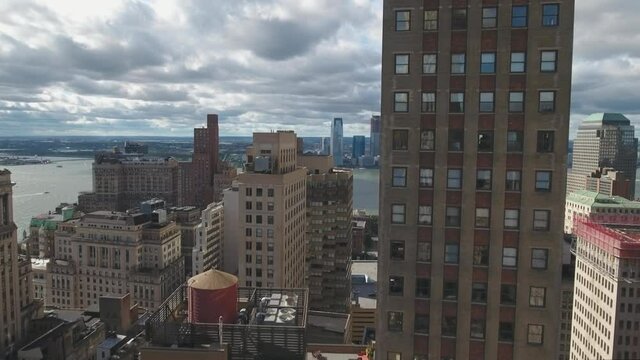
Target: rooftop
608,119
597,200
620,241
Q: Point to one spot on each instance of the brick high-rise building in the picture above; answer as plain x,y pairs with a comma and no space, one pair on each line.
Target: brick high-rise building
475,119
197,176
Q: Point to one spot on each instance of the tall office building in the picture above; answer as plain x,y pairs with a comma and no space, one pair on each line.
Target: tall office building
326,146
357,148
604,141
272,213
374,139
337,146
329,237
16,277
475,118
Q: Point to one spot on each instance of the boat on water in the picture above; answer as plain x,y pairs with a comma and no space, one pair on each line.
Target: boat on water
59,166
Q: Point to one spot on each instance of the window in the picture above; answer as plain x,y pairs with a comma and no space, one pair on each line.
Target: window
402,63
541,220
449,326
483,180
518,62
486,102
550,14
398,213
459,19
424,252
514,141
485,141
457,63
513,180
454,178
426,177
429,63
543,181
425,215
401,102
547,101
456,140
270,192
477,329
400,139
509,257
422,324
488,63
453,216
456,104
394,321
431,19
396,285
545,141
248,218
489,17
423,287
450,290
507,294
247,205
535,334
482,217
403,20
248,191
428,140
539,258
511,218
451,253
516,101
479,292
548,60
259,192
428,102
518,16
505,331
397,250
481,255
537,296
399,177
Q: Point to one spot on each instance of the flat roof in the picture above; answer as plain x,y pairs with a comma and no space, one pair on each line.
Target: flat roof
594,199
622,241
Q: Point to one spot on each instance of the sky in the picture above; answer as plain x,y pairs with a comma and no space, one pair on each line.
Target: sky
123,67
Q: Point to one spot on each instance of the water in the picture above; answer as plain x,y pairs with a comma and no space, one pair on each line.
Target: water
30,197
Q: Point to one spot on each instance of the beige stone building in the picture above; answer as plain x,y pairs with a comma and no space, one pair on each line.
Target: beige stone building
606,301
272,209
475,118
601,208
113,253
329,237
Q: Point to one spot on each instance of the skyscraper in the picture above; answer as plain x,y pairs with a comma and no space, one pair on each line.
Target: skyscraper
197,177
357,148
466,234
604,141
337,150
374,144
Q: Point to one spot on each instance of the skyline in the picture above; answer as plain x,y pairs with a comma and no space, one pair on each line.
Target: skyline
134,68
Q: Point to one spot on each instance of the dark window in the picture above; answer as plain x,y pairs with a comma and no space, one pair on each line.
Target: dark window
513,180
481,255
431,19
545,141
543,181
401,102
459,19
488,63
451,253
403,20
449,326
514,141
483,179
423,287
422,324
518,62
402,63
550,14
489,17
547,101
248,191
548,60
259,192
400,139
428,102
450,290
518,16
399,177
270,192
456,103
479,292
541,220
458,63
453,216
477,329
507,294
486,102
456,140
516,101
505,331
485,141
397,250
394,321
396,285
428,140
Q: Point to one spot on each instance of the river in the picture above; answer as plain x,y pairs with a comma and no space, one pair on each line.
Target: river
40,188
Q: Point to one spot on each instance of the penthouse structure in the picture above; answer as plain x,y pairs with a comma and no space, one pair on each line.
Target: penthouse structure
475,119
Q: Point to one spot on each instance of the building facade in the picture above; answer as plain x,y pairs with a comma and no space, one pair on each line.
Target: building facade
357,148
606,307
374,139
604,141
197,176
232,239
328,233
475,107
272,213
337,144
603,209
207,252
